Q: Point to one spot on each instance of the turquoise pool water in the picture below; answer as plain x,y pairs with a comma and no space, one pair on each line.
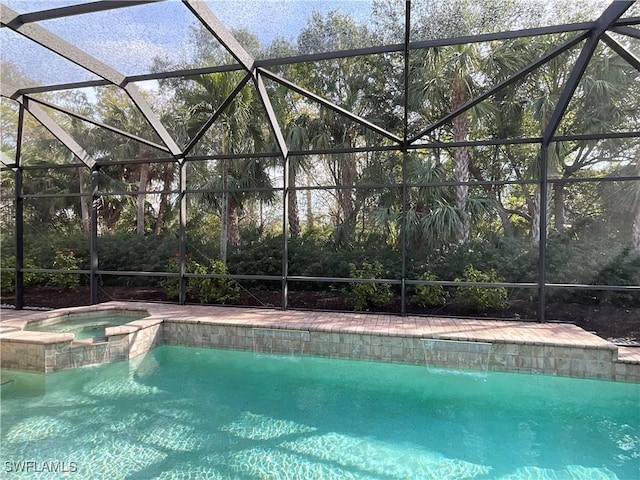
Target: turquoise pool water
87,325
189,413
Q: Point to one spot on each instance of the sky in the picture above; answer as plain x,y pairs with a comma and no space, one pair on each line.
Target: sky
127,39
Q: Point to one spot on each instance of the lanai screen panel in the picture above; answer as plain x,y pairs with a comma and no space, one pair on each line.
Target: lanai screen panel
310,132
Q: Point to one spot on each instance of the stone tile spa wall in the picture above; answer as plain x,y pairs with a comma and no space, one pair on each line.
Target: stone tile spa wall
48,352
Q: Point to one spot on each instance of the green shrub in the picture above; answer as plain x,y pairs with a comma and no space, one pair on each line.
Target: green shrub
171,285
429,295
132,252
213,290
206,290
623,269
480,298
366,295
8,278
64,260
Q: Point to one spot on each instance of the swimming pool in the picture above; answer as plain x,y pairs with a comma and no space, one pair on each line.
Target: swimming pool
85,325
184,412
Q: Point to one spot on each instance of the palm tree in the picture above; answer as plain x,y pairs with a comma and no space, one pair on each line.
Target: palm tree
297,139
345,82
443,81
239,129
116,110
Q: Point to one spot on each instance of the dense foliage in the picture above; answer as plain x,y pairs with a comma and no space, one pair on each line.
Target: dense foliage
468,213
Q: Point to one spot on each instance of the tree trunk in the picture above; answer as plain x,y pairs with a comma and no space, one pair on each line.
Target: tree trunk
142,187
310,217
558,207
224,214
110,215
526,193
234,224
84,201
504,218
292,199
167,178
346,194
347,176
461,157
535,218
294,216
635,230
495,195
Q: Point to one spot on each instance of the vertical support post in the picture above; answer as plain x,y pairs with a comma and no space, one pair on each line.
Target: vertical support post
182,247
19,225
285,232
93,241
93,256
403,226
542,244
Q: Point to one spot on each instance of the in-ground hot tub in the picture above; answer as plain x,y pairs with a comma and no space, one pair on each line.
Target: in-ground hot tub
75,337
86,325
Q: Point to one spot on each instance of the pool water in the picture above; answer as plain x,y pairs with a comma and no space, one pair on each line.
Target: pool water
87,326
180,413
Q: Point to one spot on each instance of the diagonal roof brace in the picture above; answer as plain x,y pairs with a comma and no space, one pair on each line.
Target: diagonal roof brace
330,105
217,114
60,46
57,131
608,18
218,30
621,50
273,120
65,49
6,160
139,101
505,83
629,31
99,124
77,9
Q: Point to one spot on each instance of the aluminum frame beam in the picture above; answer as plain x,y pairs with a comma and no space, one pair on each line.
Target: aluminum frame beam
271,116
505,83
57,131
217,114
330,105
69,51
99,124
621,50
204,14
396,48
606,20
153,120
628,31
78,9
19,213
52,42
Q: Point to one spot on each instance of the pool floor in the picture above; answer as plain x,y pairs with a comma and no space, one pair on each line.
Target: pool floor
184,412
